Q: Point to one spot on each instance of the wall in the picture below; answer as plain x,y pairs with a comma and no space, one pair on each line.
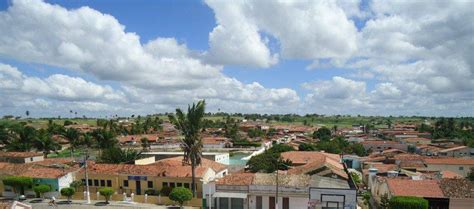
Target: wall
295,202
349,196
145,161
196,202
461,203
454,168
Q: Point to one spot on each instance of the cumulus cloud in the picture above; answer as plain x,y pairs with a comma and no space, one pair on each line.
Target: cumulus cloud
160,71
304,30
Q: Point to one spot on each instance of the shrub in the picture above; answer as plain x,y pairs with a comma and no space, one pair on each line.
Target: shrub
107,192
76,184
18,181
181,195
402,202
68,192
41,189
165,191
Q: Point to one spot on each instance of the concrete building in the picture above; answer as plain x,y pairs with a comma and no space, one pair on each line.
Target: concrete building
379,145
21,157
332,193
220,157
258,191
456,165
460,151
58,173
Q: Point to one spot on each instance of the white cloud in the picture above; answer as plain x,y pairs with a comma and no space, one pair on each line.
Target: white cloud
162,71
304,30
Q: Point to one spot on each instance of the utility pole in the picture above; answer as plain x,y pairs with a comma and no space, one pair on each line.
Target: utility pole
87,178
276,199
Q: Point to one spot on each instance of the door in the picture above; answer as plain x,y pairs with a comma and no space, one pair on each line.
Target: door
138,188
259,202
286,203
271,202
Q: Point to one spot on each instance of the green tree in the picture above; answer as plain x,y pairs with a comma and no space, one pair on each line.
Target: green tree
269,160
181,195
22,138
401,202
72,135
76,184
190,125
45,143
470,176
145,143
18,181
41,189
323,134
366,196
116,155
306,147
68,192
105,139
107,192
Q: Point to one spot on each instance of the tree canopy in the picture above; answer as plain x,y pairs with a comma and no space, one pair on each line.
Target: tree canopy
181,195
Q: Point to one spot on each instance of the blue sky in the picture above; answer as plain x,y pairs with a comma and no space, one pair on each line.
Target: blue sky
341,57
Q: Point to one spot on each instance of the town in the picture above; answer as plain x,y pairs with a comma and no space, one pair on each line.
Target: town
241,104
240,161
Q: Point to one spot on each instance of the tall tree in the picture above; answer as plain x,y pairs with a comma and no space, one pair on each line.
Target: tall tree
72,135
190,125
21,138
45,143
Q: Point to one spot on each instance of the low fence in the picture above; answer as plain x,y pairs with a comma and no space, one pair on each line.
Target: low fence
158,200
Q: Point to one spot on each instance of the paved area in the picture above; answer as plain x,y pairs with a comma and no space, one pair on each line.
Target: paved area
80,204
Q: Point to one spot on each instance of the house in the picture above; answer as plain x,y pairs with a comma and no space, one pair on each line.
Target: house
21,157
457,165
220,157
332,193
396,186
381,145
134,139
416,141
213,142
315,163
259,191
170,172
459,151
459,192
57,173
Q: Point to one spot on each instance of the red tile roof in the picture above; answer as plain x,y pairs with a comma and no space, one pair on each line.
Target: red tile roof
417,188
449,161
170,167
242,179
49,168
20,154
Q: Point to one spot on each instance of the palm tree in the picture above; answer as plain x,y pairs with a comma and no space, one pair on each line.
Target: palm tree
21,138
105,139
72,135
45,143
87,140
190,125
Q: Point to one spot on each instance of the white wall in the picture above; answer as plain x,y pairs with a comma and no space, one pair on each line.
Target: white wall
350,195
295,202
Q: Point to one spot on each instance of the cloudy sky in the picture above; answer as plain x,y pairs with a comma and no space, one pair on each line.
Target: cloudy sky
328,57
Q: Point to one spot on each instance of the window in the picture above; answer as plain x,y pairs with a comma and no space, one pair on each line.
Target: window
31,159
125,183
165,184
236,203
186,185
179,184
102,183
109,183
461,168
96,182
83,181
172,185
150,184
89,182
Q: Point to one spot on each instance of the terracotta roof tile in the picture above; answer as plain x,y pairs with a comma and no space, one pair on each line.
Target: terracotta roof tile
20,154
417,188
449,161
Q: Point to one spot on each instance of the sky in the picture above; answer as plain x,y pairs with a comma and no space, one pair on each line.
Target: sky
369,57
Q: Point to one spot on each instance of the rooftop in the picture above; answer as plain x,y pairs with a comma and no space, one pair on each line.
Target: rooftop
417,188
20,154
449,161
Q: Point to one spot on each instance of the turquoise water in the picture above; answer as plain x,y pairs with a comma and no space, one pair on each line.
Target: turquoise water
236,158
